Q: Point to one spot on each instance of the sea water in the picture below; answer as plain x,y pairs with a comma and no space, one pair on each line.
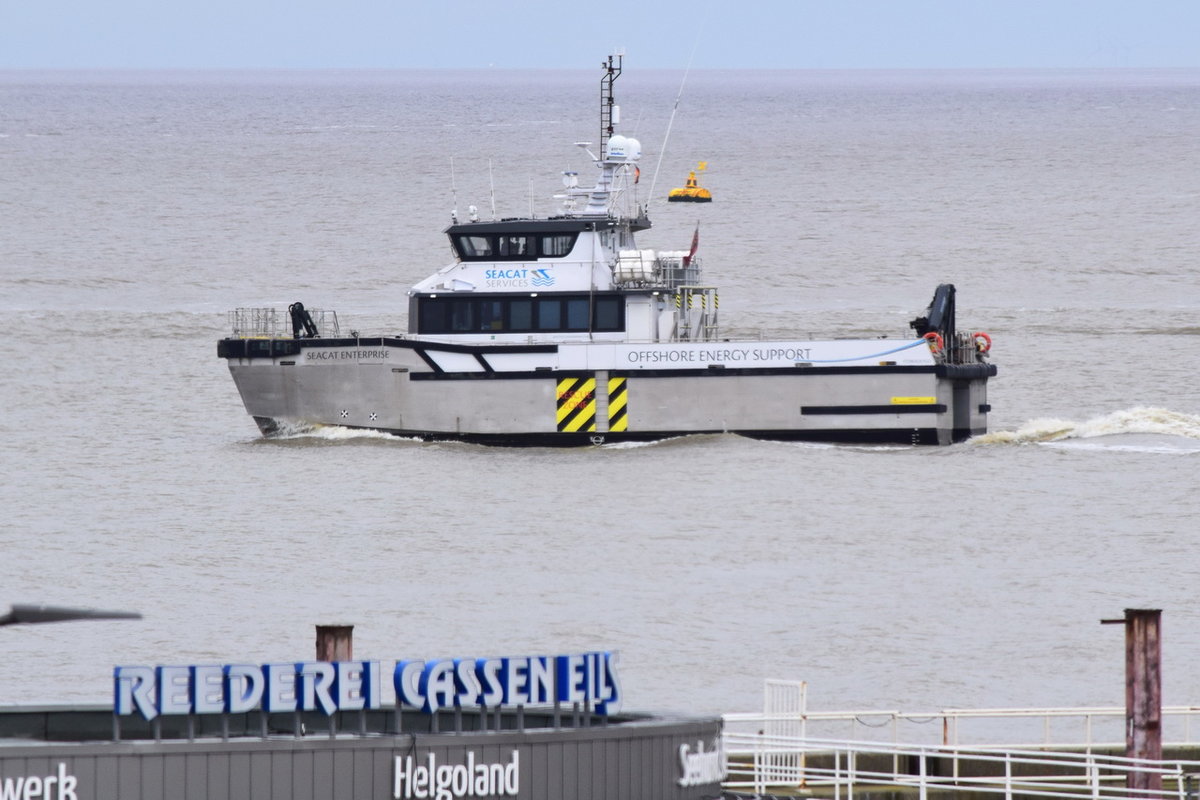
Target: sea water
136,209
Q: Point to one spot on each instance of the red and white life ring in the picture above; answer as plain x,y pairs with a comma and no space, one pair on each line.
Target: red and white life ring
936,344
983,342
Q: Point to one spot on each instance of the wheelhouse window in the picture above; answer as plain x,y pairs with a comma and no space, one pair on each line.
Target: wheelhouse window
520,314
512,246
558,245
470,247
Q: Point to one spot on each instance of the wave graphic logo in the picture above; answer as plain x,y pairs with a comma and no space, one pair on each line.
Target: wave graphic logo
541,277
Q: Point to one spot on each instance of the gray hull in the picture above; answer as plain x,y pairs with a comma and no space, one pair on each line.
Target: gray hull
412,388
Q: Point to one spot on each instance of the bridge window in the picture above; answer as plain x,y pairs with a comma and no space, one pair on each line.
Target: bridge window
470,247
558,244
512,246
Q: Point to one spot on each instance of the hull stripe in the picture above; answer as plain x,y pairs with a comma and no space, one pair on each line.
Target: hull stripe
618,419
576,405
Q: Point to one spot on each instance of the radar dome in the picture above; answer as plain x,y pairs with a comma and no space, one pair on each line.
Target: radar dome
622,148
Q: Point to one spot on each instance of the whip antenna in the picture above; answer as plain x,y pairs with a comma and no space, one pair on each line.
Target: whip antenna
663,150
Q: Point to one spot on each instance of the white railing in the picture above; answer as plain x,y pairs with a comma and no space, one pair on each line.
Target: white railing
1083,728
785,712
829,768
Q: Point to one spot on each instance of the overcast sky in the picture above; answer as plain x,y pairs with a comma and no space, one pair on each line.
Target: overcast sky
831,34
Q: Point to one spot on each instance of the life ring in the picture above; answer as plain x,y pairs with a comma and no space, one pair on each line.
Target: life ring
983,342
936,344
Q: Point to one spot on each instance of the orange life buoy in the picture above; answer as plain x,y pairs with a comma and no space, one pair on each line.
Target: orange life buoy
983,342
936,344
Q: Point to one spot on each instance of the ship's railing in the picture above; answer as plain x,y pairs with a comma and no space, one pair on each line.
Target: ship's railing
962,350
762,765
695,313
270,323
1086,728
676,272
670,269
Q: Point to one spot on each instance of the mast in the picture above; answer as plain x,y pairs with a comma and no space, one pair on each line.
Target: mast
616,152
609,112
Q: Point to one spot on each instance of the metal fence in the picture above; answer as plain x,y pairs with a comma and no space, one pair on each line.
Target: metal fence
830,768
785,711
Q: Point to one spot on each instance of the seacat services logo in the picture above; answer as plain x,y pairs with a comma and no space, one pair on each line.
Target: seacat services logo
541,277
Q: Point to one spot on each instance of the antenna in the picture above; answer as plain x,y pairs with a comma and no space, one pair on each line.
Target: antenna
610,114
675,108
453,194
492,183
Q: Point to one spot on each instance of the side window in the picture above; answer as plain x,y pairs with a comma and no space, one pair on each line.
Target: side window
577,314
521,314
549,314
432,316
460,315
608,314
557,244
491,315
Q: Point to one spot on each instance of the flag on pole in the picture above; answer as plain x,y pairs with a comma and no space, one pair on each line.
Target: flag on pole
687,260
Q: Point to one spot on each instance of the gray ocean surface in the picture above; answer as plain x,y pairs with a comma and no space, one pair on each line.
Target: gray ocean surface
136,209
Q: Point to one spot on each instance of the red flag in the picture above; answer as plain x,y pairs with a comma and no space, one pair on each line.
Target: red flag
687,260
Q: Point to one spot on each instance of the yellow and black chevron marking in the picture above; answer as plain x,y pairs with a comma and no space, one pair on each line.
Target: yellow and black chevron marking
618,420
576,404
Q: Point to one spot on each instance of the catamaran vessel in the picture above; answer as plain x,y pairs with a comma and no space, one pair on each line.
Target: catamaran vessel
562,331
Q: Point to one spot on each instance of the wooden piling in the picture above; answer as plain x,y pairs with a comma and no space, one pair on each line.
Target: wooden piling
1143,693
335,643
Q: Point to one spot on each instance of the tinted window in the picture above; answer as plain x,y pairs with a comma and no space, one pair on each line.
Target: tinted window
513,314
608,314
460,314
520,314
491,315
577,314
432,316
549,314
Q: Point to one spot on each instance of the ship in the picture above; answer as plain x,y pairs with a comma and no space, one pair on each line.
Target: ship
562,331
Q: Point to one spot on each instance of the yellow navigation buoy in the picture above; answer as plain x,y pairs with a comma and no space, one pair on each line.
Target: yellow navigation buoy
692,192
